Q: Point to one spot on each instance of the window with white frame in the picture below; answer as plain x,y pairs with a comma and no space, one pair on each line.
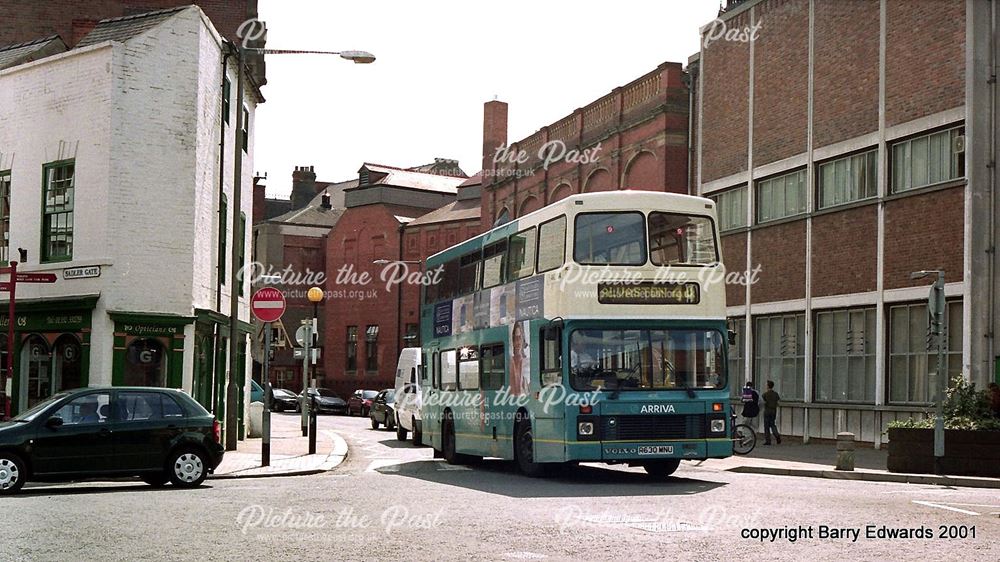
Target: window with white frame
845,356
57,211
910,359
737,356
848,179
781,196
779,353
731,206
927,160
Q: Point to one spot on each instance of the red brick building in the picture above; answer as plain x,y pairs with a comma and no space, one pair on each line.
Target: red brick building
838,142
633,138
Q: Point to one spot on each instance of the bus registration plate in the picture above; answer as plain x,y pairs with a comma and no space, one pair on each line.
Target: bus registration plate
656,450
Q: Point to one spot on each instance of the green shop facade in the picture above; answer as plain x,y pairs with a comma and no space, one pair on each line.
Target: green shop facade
54,341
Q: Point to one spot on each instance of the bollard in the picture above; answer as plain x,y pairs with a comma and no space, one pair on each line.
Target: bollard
312,431
845,451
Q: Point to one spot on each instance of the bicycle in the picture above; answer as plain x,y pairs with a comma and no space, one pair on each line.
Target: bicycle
744,437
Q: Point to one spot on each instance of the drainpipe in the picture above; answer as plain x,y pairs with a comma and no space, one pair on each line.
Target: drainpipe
689,79
991,277
216,335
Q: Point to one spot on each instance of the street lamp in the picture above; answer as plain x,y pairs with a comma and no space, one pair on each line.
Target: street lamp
232,396
315,295
935,324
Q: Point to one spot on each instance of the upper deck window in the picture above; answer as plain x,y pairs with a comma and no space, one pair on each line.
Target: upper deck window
610,239
678,239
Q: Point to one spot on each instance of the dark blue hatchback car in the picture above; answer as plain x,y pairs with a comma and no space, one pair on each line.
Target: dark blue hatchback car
157,434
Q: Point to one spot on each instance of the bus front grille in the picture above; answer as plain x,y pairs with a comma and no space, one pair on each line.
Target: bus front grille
633,428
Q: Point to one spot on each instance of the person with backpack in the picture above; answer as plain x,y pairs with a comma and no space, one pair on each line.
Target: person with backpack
751,401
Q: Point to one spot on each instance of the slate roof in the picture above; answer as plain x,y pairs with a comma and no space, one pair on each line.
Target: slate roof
124,28
397,177
454,211
20,53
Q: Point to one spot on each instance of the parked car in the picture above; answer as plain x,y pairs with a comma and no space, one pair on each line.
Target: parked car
408,398
157,434
285,401
327,401
256,392
361,402
382,411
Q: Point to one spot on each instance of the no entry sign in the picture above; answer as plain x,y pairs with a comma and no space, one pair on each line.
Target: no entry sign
267,304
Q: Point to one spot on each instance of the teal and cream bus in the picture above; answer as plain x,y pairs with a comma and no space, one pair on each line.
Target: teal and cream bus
592,330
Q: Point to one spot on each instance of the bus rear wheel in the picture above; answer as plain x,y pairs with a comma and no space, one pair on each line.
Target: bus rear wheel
448,450
524,450
658,470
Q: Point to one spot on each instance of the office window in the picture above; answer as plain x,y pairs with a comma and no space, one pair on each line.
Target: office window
779,354
848,179
226,92
4,217
910,360
352,348
781,196
737,356
551,244
57,211
845,356
245,135
927,160
371,348
731,207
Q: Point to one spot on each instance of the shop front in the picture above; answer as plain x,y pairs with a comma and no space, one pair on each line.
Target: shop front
51,348
148,349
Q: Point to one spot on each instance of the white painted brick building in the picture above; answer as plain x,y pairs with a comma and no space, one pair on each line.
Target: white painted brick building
130,120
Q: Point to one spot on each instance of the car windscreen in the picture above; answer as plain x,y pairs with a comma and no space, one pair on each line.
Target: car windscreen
326,393
282,393
390,396
369,394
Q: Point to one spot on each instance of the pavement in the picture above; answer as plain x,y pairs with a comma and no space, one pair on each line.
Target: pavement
289,452
818,460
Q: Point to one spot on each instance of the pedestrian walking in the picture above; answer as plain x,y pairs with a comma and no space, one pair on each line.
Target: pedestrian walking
771,399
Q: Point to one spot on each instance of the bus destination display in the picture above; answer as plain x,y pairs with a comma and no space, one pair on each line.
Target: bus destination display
648,293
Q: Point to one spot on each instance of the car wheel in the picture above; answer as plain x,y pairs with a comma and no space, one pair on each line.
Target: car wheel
187,468
155,480
658,470
374,423
390,423
524,450
12,473
417,434
400,432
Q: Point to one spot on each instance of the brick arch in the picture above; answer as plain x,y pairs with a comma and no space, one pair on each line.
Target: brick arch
530,203
599,180
642,172
561,191
502,216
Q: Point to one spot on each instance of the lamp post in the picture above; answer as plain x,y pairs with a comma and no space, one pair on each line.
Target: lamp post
935,328
232,396
315,295
399,302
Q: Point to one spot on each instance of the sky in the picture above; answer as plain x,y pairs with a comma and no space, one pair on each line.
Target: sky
438,62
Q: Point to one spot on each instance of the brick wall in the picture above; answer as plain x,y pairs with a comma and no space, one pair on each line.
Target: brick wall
925,58
780,252
924,232
845,70
781,87
845,251
725,109
734,256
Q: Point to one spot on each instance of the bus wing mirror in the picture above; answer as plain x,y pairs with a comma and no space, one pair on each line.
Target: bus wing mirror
732,337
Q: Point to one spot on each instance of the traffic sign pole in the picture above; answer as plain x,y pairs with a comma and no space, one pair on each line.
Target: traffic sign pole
267,305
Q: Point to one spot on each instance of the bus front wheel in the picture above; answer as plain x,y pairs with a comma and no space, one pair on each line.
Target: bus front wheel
448,451
524,450
659,470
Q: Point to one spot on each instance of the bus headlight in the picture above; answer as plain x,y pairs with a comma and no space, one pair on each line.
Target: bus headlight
585,428
718,426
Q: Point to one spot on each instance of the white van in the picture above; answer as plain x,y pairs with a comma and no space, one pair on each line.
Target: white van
408,395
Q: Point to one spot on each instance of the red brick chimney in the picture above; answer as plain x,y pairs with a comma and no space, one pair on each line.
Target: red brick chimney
494,134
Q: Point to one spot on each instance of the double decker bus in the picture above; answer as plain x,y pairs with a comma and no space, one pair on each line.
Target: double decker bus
592,330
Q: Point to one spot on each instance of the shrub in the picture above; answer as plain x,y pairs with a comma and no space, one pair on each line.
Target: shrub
964,408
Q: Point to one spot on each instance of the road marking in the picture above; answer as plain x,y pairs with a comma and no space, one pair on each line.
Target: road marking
932,504
384,465
525,555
